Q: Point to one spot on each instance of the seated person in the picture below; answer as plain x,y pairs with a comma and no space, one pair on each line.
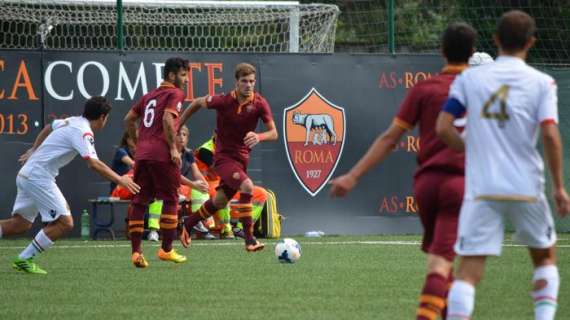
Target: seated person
123,159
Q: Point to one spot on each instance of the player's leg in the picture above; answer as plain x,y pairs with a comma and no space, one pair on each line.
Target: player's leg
165,177
535,228
244,210
54,211
225,191
137,210
480,234
24,213
438,240
154,211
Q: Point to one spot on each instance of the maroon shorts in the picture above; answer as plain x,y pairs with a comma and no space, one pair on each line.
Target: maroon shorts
158,180
439,196
232,174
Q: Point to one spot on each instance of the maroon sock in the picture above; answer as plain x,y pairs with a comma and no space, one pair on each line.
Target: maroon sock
433,297
168,224
244,207
136,225
205,211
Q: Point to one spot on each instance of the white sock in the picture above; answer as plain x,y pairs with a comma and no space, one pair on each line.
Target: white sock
545,299
40,244
460,301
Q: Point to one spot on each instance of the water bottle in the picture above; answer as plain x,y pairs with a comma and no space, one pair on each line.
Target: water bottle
84,225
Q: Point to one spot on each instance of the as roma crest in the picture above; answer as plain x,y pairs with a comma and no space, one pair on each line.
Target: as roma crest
314,130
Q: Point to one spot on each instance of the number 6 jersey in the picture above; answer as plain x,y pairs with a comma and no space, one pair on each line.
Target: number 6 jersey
152,144
506,102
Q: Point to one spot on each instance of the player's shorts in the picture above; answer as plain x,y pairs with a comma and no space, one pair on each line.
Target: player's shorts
39,196
157,179
481,225
439,197
232,174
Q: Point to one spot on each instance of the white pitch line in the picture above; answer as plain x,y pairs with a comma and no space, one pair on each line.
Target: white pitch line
223,243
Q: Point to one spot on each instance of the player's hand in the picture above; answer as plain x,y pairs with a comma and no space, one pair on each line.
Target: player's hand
251,139
201,186
127,182
175,156
342,185
24,157
562,202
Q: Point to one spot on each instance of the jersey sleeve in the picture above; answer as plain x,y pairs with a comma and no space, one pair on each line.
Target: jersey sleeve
84,144
409,111
265,111
214,102
548,104
174,102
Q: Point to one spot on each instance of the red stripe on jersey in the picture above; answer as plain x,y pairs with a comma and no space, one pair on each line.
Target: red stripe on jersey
86,158
547,122
87,134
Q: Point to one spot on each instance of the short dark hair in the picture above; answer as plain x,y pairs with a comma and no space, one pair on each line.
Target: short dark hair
174,65
514,29
96,107
458,41
244,69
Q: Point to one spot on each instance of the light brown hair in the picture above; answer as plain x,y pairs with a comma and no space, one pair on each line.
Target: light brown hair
244,69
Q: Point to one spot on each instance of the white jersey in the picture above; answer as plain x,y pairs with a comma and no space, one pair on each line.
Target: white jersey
506,102
68,138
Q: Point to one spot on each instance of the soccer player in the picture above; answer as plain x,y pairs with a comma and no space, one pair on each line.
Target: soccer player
439,179
157,160
507,103
55,146
237,115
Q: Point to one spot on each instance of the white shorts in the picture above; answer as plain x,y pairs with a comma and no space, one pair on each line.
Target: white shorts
481,226
39,196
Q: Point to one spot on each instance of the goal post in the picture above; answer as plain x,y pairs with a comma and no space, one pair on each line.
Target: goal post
181,25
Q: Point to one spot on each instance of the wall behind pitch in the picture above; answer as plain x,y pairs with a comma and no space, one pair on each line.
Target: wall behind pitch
369,88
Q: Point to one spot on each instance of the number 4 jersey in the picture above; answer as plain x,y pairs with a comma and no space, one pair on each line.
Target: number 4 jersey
152,144
506,101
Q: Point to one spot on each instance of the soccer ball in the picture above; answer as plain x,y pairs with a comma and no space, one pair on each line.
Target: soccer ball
287,250
480,58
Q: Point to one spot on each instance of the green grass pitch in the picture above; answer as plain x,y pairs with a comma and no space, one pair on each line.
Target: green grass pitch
373,277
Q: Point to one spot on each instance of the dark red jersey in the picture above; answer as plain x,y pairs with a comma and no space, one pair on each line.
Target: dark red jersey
422,106
152,144
235,120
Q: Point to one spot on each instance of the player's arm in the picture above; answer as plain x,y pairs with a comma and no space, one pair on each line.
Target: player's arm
195,105
445,129
253,138
553,153
38,142
169,125
130,122
378,151
107,173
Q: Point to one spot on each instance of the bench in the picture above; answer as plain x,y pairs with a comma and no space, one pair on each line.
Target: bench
105,224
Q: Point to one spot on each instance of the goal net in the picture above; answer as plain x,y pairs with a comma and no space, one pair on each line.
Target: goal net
180,25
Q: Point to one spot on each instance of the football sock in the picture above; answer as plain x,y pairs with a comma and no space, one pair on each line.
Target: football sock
244,210
461,301
432,299
205,211
136,225
39,244
168,224
545,297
